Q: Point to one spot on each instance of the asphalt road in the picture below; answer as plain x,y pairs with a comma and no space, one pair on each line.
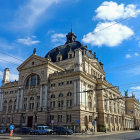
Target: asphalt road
123,136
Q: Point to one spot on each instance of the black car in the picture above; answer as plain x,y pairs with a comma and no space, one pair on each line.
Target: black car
24,130
62,130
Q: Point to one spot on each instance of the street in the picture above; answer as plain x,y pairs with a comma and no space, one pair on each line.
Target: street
108,136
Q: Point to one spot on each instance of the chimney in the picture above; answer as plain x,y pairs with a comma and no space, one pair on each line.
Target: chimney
6,76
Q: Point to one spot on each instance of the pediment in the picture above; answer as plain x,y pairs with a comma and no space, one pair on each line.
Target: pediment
98,67
32,61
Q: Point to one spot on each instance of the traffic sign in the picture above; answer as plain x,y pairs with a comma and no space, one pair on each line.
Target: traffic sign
12,127
93,123
131,111
52,121
78,121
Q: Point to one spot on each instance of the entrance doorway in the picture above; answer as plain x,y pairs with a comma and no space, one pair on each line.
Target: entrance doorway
30,121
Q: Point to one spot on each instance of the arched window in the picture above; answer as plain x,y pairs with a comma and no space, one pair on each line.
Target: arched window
69,94
33,80
52,96
60,95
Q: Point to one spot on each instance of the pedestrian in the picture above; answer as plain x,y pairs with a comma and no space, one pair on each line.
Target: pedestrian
105,129
82,131
85,131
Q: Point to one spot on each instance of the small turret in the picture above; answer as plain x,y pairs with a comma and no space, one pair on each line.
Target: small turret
6,76
71,37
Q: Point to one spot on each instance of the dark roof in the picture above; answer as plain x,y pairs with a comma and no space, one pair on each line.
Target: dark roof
70,44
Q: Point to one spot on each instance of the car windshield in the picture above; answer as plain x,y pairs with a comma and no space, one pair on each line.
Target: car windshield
43,127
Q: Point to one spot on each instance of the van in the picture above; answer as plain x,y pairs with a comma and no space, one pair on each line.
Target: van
43,130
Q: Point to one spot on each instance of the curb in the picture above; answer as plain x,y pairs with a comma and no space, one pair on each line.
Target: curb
8,137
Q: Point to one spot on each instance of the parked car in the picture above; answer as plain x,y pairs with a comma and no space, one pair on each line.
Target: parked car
62,130
24,130
42,130
33,131
2,130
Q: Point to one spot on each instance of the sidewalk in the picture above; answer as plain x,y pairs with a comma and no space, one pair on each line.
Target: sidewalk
104,134
19,137
6,137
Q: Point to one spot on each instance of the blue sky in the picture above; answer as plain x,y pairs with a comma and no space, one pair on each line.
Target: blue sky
43,24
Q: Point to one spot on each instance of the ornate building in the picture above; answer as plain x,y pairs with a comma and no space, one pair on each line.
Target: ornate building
68,86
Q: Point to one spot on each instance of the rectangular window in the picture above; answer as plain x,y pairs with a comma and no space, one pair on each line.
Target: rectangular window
69,103
23,119
24,106
90,118
68,118
38,97
50,104
4,109
31,106
60,104
51,117
53,104
59,118
14,107
37,105
35,118
70,55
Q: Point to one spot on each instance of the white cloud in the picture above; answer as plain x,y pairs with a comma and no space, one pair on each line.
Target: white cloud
136,54
112,11
28,41
111,36
31,13
135,88
58,39
128,56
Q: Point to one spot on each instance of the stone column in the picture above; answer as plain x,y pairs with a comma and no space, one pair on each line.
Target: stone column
86,96
0,101
75,99
17,103
79,92
82,94
21,99
7,106
28,100
46,97
41,93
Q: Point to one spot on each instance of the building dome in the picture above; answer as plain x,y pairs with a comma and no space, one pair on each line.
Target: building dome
70,45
